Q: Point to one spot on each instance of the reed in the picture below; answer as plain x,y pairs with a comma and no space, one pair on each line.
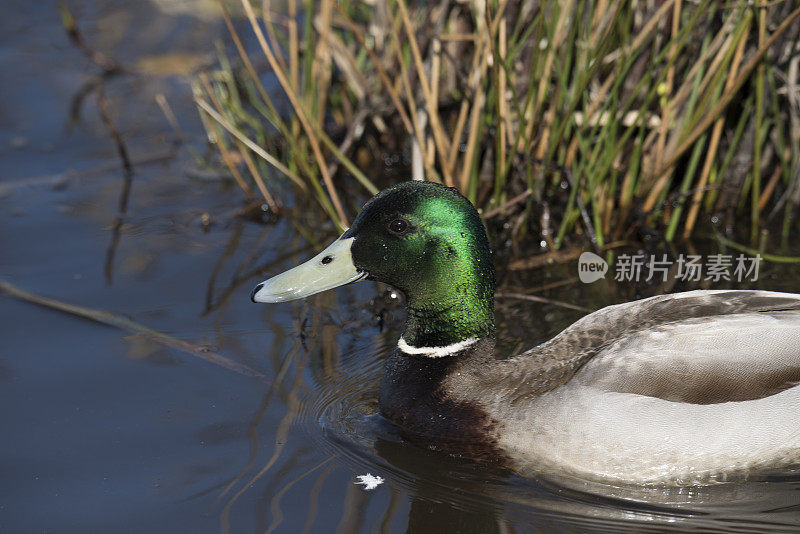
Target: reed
610,117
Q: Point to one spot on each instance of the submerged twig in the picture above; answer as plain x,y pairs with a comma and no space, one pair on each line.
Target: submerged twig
313,500
108,65
281,437
774,258
59,179
127,181
516,200
116,230
112,129
117,321
534,298
252,430
166,109
77,100
275,502
541,260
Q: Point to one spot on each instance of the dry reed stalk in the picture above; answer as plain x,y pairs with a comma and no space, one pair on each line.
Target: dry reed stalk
759,140
543,260
541,300
502,109
599,9
229,162
548,120
410,98
561,30
770,189
436,68
262,187
242,54
338,152
716,62
343,57
683,122
608,214
477,73
294,46
681,94
223,150
430,148
393,94
249,143
709,118
604,16
626,195
458,37
716,135
439,138
322,59
301,115
266,16
644,34
472,140
253,168
714,48
166,109
668,85
259,86
516,200
458,131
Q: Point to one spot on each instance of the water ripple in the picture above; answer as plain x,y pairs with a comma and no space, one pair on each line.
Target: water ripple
340,415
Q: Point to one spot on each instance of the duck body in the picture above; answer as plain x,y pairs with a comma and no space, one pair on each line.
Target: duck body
685,388
688,388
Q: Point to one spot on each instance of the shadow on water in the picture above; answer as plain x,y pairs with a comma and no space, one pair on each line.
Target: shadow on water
453,494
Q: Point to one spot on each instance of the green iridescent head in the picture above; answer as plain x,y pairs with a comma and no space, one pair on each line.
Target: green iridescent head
422,238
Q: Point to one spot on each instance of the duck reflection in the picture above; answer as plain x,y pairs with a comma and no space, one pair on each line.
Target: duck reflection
457,494
449,493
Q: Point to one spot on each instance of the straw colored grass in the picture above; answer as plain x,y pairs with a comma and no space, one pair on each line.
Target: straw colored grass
612,118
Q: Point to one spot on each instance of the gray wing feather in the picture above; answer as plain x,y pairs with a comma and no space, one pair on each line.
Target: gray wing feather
555,362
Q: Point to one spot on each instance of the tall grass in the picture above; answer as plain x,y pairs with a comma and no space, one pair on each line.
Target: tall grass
605,117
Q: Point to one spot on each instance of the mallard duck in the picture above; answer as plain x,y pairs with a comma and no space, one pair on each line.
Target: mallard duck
679,388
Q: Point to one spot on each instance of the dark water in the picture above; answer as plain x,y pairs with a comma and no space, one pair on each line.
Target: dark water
108,431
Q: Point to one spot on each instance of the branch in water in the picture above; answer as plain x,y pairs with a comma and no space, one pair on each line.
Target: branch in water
117,321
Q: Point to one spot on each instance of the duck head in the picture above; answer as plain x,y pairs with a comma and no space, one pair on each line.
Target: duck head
423,239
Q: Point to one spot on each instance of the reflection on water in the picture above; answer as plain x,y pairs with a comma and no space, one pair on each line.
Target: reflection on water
104,432
450,494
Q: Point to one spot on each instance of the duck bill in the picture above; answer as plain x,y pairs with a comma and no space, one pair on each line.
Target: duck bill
333,267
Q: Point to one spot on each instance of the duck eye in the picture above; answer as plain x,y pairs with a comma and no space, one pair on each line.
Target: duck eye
399,226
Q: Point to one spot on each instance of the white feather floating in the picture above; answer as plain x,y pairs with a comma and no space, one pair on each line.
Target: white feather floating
369,481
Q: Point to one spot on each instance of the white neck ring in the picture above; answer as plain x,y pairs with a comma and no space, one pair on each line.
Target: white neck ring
435,352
